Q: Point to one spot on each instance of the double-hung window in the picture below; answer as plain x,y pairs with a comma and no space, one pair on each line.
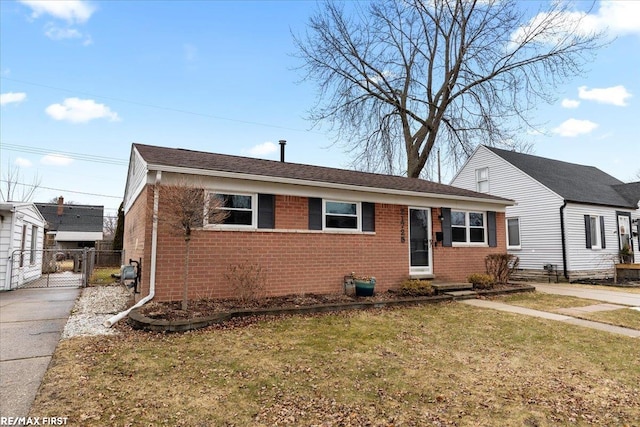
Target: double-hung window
594,230
34,244
482,180
468,227
341,215
240,208
513,233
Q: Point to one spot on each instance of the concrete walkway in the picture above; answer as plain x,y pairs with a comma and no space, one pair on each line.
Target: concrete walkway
614,297
621,299
31,322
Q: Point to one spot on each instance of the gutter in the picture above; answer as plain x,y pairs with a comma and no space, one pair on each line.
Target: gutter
154,252
564,241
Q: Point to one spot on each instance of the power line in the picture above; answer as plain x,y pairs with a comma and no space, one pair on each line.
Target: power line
75,156
159,107
60,189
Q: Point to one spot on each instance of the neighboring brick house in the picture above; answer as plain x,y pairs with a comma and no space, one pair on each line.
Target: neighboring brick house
72,226
305,226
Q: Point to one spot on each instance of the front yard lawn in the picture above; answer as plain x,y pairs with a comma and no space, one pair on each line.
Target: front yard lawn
445,364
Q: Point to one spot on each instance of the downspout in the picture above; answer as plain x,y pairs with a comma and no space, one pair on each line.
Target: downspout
8,272
154,251
564,241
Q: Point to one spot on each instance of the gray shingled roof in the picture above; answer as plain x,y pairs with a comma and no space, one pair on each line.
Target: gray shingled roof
162,156
573,182
85,218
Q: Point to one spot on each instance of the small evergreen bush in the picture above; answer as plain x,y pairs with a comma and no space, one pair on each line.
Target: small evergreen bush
416,288
481,281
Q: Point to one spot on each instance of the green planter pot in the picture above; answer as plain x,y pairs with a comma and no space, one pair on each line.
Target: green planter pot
365,288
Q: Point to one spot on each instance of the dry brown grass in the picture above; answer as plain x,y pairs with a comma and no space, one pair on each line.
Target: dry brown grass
446,364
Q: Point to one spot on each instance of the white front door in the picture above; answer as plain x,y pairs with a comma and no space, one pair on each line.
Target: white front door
420,241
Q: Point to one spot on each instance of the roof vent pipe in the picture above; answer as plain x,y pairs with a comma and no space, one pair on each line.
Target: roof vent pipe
282,143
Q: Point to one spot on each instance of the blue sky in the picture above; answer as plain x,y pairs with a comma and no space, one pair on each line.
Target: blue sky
80,81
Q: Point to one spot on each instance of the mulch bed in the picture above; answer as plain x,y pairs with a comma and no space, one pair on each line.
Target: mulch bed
171,311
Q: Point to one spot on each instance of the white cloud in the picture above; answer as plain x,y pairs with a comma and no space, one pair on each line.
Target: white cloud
57,33
23,163
620,17
72,11
12,97
570,103
575,127
56,160
616,95
77,110
263,149
615,18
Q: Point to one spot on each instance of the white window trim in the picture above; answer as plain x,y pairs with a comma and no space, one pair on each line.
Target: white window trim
254,211
478,180
596,241
506,223
342,230
468,227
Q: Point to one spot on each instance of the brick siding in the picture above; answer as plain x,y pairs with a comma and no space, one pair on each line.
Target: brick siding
294,260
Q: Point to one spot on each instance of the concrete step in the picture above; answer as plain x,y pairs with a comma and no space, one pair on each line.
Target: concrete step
449,287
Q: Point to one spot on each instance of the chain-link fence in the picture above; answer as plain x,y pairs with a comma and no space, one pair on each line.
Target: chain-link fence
58,268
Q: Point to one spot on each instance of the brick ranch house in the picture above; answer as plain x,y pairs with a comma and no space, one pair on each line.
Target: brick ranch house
305,226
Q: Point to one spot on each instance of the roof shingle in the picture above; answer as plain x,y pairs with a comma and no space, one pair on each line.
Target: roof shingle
573,182
177,157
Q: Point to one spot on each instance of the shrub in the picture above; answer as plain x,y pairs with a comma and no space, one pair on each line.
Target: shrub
481,281
416,288
247,281
501,266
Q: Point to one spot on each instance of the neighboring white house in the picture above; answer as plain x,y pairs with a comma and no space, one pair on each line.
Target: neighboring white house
574,217
21,243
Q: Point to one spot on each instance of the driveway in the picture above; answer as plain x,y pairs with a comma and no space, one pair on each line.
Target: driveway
614,297
31,322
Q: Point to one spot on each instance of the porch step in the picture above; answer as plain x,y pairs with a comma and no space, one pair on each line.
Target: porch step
449,287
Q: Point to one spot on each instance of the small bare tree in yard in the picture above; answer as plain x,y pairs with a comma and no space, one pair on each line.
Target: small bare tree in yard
13,190
183,208
398,78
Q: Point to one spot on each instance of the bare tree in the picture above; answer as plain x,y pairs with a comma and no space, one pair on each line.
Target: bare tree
183,208
13,189
109,225
398,78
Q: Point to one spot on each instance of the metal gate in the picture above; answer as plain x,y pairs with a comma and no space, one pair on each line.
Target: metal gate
47,268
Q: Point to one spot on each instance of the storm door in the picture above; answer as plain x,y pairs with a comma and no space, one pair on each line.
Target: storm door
420,241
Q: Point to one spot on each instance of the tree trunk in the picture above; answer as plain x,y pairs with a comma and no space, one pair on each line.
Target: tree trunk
185,285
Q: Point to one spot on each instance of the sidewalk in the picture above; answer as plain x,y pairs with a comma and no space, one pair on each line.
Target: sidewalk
612,297
31,322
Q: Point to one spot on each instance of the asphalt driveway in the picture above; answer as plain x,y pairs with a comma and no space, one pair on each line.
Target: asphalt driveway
31,323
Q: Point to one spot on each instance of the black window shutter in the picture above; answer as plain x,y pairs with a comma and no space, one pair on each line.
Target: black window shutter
368,216
446,226
587,230
315,213
638,238
491,229
603,243
266,211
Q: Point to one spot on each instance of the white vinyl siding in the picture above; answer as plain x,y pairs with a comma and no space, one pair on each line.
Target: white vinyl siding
537,207
581,258
11,241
